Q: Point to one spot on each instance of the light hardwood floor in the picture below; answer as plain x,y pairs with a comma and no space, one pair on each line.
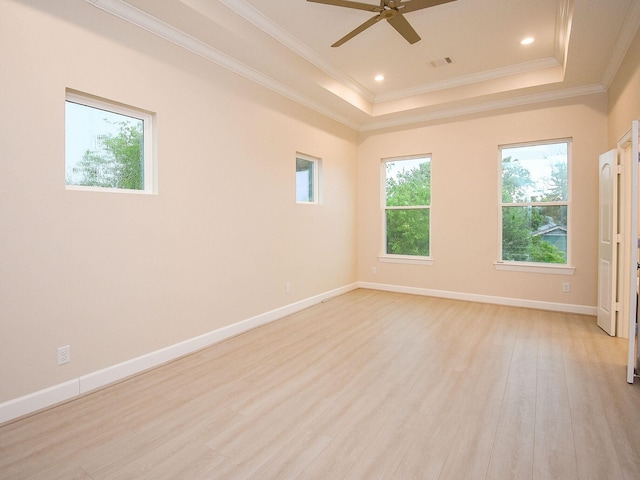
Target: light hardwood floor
370,385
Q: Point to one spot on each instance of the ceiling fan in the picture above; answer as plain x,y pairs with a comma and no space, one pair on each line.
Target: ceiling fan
390,10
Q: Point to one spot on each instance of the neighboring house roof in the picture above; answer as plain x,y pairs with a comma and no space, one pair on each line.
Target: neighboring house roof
550,230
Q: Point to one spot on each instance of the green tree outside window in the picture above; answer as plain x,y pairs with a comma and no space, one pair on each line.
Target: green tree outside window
535,203
407,206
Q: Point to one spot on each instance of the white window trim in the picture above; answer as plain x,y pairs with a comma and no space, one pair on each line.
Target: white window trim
389,257
548,268
534,267
405,259
317,162
150,160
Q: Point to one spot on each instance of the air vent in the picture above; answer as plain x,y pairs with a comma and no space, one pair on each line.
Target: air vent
441,62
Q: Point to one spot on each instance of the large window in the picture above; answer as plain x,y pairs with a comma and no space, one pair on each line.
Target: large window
535,202
307,178
407,205
107,146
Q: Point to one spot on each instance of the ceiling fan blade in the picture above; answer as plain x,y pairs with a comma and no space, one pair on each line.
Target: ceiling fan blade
404,28
360,29
412,5
347,4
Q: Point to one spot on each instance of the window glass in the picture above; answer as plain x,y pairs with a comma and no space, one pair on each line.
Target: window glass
407,188
106,147
535,202
307,179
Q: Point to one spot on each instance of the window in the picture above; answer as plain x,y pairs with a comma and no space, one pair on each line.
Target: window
535,202
407,206
307,178
107,146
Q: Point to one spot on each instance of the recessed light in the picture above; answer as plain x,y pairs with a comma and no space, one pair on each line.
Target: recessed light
527,41
379,78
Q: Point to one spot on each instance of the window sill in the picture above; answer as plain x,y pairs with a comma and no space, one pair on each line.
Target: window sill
535,268
85,188
406,259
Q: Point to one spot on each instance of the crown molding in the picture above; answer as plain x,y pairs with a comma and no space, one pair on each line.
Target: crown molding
484,107
135,16
627,32
249,13
563,31
463,80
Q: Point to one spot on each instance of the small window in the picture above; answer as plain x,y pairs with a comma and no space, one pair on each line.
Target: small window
307,179
407,207
535,202
107,146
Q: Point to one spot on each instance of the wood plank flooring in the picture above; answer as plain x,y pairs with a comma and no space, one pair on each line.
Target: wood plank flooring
369,385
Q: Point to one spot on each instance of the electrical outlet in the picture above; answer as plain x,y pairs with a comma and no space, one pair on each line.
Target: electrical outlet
287,288
566,287
374,270
64,354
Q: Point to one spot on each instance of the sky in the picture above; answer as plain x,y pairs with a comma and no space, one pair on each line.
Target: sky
82,126
539,160
393,167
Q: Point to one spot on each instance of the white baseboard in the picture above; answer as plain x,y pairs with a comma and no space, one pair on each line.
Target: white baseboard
62,392
56,394
471,297
33,402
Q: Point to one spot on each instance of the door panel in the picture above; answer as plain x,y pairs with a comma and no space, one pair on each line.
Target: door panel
607,242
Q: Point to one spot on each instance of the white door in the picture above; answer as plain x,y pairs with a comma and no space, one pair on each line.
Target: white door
607,241
634,338
629,152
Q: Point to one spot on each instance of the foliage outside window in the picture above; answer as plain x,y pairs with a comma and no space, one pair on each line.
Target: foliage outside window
407,209
107,146
535,202
307,172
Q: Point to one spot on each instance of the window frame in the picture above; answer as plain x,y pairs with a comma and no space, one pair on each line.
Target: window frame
149,164
398,258
315,180
536,267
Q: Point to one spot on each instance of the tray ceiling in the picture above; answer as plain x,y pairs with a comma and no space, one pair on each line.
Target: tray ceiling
285,45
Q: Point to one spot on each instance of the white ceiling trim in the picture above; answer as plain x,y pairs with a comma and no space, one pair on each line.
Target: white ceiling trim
462,80
249,13
485,107
627,32
563,28
137,17
563,31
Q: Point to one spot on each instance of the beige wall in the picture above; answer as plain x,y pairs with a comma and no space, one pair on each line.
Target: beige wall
115,275
118,276
624,94
464,229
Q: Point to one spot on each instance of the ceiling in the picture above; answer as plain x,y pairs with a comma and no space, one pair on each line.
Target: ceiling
285,45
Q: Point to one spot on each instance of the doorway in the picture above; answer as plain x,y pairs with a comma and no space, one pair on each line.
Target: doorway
618,244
